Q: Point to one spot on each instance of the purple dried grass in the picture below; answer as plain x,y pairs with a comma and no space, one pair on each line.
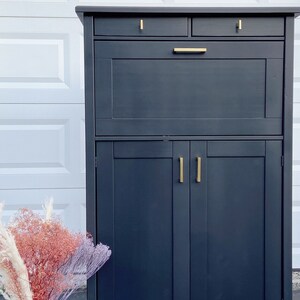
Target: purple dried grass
85,262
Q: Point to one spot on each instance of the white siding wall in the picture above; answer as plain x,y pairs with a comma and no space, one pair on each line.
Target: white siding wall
42,105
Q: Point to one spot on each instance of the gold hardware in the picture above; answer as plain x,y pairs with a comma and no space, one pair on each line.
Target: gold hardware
181,169
239,24
141,24
189,50
198,178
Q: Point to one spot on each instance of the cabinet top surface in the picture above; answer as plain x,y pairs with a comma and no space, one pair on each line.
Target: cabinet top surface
189,10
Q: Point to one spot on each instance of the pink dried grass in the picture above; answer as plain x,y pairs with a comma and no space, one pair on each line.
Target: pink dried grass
40,259
45,246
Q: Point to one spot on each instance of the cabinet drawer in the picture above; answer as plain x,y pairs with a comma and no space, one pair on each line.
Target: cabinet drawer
145,88
134,26
244,26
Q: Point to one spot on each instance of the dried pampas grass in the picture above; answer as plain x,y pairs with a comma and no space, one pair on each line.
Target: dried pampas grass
13,272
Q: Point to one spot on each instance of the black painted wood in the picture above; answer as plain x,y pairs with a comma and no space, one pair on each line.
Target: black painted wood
142,149
105,214
251,26
117,127
235,233
273,220
164,50
181,223
190,38
236,221
188,138
228,237
185,89
91,211
288,156
160,88
289,10
116,26
235,148
198,221
135,199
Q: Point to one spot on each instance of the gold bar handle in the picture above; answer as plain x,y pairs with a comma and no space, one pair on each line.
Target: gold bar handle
190,50
141,24
198,177
181,169
239,24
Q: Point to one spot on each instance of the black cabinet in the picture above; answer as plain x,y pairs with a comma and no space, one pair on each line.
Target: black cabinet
188,142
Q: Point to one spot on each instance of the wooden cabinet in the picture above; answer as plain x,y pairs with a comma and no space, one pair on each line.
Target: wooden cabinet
188,151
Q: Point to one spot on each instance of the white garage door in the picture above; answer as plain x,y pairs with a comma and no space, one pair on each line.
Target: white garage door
42,105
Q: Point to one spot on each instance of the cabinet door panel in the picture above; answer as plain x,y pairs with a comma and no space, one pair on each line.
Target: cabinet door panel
136,183
236,218
144,88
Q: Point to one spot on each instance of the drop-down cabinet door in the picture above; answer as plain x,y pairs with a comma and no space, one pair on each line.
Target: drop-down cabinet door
143,215
236,220
188,88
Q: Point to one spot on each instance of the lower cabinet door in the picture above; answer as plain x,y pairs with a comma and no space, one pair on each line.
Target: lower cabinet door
190,220
236,220
143,215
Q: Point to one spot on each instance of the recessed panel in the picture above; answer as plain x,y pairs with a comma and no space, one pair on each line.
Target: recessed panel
188,88
69,204
296,144
143,238
297,64
41,60
41,146
296,226
235,225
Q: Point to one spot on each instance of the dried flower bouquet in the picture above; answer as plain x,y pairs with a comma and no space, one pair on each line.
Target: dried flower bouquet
40,259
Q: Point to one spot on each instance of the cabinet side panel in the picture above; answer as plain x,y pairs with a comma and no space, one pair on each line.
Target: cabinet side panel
287,149
90,136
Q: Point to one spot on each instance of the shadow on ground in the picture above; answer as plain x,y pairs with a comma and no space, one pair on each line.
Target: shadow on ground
296,295
81,295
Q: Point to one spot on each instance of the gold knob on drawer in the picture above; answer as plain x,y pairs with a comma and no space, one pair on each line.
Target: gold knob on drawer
141,24
239,24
